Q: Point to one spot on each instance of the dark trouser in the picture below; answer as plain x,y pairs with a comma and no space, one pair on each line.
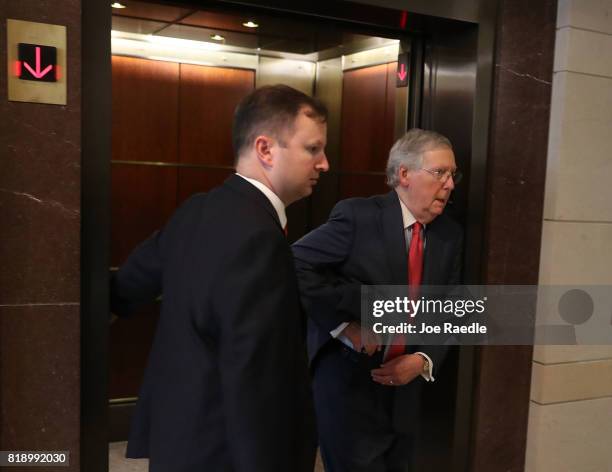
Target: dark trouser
354,415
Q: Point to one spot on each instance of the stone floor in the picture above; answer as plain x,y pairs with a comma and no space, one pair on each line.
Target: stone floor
118,463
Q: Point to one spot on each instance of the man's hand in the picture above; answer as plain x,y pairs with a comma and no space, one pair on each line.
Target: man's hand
368,343
399,371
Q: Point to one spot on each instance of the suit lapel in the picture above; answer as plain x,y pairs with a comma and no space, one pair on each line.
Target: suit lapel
393,237
434,249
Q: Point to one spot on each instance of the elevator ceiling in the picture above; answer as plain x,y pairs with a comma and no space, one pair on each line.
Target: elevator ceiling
274,34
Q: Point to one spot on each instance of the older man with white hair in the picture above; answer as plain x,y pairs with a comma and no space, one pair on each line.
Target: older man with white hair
368,397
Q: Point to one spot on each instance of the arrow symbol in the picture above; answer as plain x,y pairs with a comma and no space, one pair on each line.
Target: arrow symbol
403,72
38,73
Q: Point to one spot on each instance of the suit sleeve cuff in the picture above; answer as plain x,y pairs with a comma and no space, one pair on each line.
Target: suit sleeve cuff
429,374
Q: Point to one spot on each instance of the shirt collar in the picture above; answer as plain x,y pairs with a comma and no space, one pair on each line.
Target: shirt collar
276,202
407,217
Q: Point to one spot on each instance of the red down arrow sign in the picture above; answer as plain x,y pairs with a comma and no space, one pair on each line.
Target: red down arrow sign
38,73
401,77
37,62
402,72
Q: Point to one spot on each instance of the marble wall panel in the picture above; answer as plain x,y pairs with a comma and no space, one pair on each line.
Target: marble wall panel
571,381
556,354
570,437
575,253
40,378
595,15
583,51
40,198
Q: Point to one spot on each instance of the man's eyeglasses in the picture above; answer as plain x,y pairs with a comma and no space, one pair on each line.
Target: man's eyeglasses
442,175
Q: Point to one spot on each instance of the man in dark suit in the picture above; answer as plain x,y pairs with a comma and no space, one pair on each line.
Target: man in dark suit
367,395
226,388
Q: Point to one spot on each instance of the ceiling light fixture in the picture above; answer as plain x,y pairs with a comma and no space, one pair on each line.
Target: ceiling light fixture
217,37
118,5
250,24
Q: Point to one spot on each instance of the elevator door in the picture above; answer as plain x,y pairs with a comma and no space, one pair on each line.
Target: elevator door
367,126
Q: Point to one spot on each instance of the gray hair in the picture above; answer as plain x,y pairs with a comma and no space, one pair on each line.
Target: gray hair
409,149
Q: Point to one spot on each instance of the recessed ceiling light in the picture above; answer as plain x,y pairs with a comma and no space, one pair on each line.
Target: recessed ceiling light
118,5
250,24
216,37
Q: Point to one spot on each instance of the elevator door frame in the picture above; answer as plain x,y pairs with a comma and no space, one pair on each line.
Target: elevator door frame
96,124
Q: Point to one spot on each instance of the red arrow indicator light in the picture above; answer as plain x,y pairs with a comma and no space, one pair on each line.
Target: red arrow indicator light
36,62
39,74
401,74
401,77
17,68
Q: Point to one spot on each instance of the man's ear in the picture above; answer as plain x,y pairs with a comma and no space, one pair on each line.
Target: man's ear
263,145
405,176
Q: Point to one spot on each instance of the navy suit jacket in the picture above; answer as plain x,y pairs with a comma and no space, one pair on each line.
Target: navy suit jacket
363,242
226,386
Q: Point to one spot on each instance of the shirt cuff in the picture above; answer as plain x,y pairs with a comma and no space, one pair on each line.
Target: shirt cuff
429,374
334,333
337,333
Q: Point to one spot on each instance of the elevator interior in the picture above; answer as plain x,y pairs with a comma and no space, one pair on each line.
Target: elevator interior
177,74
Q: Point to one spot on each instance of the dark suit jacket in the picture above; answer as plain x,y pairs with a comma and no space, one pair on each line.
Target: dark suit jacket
226,387
363,243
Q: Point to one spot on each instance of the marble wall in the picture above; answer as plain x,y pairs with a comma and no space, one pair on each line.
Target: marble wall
570,417
40,154
516,174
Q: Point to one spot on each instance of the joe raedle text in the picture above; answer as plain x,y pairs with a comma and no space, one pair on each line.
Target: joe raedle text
423,328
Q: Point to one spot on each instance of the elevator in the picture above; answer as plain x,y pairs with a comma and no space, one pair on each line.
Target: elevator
380,71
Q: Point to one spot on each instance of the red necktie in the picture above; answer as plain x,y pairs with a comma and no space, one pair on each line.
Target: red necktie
286,231
415,276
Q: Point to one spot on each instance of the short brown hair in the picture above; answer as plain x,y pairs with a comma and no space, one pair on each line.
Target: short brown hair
271,109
